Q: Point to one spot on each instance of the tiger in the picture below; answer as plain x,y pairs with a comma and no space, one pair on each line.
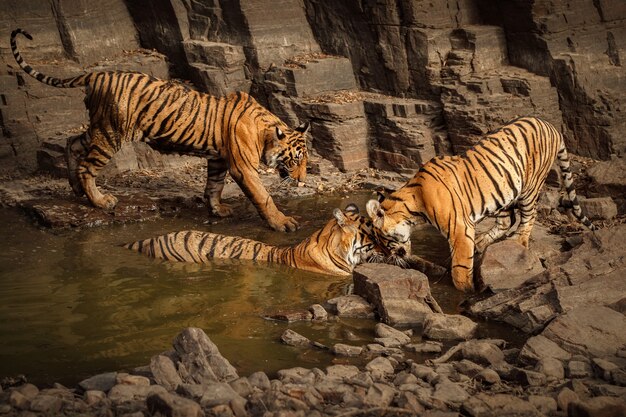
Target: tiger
234,133
505,170
335,249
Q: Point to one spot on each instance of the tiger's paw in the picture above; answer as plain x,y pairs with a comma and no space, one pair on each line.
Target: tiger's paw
284,224
222,210
465,285
107,202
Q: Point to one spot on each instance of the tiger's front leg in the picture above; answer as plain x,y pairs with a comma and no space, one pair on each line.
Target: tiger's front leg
216,172
249,181
462,248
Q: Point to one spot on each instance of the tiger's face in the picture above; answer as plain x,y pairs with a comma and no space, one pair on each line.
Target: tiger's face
353,234
289,153
391,230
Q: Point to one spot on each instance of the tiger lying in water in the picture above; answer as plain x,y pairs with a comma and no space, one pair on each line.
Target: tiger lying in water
337,248
504,171
234,133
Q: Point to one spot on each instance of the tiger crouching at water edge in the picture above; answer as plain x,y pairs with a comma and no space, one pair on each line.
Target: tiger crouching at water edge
234,133
344,242
504,171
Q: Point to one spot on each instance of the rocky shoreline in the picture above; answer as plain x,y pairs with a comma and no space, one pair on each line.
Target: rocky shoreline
567,294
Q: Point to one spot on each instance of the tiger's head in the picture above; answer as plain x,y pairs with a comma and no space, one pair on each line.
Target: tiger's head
347,239
391,229
288,152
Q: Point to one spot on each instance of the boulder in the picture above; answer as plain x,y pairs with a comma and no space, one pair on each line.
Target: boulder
579,330
599,208
200,359
400,296
350,306
508,264
449,327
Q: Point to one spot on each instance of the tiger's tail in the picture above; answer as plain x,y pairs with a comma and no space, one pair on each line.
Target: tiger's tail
198,247
52,81
568,183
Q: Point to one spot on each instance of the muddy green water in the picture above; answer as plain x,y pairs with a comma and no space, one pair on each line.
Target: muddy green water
74,303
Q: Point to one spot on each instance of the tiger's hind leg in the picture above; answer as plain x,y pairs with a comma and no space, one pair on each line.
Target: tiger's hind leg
216,172
528,213
104,143
504,221
75,151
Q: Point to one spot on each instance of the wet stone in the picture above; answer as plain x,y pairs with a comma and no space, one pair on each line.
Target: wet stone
380,367
351,306
319,312
259,380
449,327
102,382
603,368
341,349
385,331
124,393
291,338
425,347
482,352
291,316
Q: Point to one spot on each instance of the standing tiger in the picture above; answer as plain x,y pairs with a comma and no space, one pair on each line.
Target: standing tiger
344,242
504,171
234,133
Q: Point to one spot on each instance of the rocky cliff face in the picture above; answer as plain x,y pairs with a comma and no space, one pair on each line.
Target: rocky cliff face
386,84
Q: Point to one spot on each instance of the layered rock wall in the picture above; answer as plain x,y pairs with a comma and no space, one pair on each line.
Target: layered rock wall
422,78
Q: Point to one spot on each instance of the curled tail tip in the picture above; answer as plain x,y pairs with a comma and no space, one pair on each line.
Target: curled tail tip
23,32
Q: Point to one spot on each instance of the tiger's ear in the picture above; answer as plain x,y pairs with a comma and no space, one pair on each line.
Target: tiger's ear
340,217
303,128
279,133
376,213
352,208
380,196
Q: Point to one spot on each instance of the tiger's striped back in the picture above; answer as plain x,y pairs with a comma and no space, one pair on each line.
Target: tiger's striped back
503,172
337,248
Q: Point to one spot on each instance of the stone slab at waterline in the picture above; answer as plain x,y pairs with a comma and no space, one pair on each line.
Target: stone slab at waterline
400,296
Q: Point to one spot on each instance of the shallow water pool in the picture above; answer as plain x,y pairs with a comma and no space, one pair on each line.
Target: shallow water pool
75,303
